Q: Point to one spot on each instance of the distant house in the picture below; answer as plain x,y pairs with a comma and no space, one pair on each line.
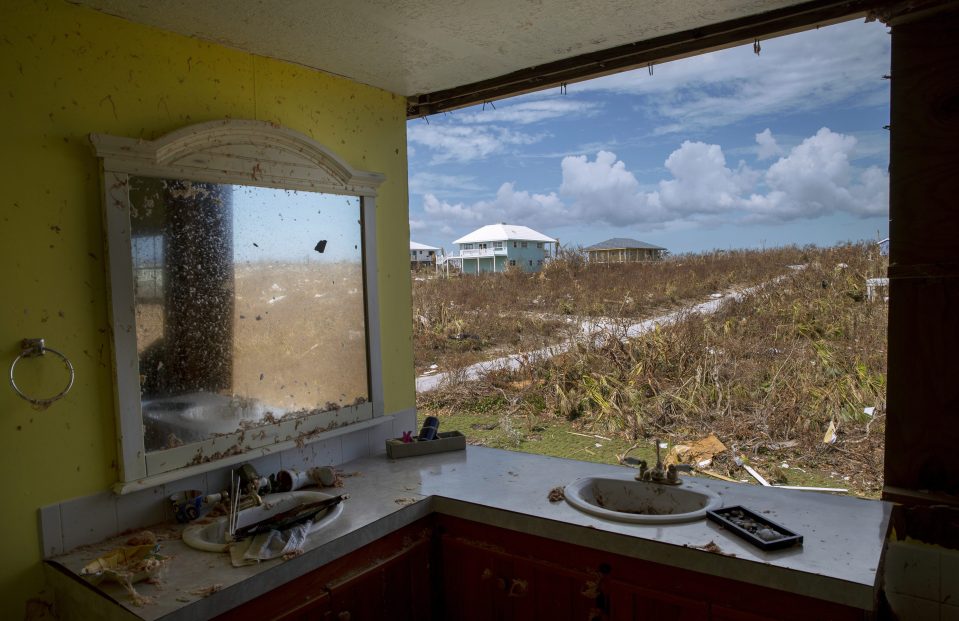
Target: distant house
421,255
884,247
497,247
623,250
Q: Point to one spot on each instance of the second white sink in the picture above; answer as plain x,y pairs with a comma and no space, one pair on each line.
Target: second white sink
624,499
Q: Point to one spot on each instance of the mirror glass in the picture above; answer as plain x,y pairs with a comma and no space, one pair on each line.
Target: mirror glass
249,306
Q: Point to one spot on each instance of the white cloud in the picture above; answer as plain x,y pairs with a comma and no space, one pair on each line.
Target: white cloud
604,190
816,178
702,183
441,210
509,205
423,182
419,225
479,134
465,143
527,112
767,146
816,71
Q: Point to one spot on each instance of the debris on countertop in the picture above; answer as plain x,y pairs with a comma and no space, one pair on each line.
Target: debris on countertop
842,531
207,590
713,548
128,565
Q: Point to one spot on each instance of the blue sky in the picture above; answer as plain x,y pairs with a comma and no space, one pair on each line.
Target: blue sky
286,225
722,150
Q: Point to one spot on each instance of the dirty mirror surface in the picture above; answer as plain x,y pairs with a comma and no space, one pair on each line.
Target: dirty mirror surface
249,306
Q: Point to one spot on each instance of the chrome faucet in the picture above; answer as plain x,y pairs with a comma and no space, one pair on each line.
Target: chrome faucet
661,474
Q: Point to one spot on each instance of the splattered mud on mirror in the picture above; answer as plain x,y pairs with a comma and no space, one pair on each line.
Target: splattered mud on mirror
249,306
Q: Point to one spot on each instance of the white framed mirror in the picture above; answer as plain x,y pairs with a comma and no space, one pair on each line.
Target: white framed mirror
244,306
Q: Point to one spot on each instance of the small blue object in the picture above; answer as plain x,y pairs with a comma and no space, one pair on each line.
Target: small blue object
186,505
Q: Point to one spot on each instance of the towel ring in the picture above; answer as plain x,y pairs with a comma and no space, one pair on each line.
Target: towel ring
32,348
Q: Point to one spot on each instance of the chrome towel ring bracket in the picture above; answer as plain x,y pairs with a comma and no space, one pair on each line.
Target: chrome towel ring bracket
33,348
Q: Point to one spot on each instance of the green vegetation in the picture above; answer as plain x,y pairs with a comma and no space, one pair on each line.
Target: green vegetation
768,374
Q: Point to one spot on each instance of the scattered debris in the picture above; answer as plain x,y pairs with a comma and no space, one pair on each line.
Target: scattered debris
778,446
142,538
739,462
557,494
699,453
126,566
838,490
589,435
716,475
207,590
713,548
405,501
830,437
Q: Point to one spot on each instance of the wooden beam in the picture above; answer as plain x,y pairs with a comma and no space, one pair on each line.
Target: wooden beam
922,421
643,53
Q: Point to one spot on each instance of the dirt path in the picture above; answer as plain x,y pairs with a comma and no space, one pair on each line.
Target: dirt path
589,328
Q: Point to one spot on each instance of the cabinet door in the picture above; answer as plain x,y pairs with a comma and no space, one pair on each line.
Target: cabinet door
303,603
387,579
719,613
482,583
395,588
627,602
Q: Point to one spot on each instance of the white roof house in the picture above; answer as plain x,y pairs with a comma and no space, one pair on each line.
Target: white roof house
498,247
503,232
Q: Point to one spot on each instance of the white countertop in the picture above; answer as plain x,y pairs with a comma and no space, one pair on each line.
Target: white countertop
838,562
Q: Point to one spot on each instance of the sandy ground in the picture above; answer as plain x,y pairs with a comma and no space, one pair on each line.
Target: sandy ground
299,334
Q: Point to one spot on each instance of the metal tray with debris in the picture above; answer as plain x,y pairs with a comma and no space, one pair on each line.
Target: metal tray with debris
754,528
446,441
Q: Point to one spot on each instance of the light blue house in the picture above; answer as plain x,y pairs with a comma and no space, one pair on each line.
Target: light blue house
497,247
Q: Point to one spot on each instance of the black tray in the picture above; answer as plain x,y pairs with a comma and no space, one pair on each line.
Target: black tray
723,517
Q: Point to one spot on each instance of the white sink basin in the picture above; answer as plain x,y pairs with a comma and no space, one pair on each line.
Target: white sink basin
624,499
211,537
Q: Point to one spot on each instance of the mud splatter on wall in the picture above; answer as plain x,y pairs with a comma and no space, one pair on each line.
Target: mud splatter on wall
67,71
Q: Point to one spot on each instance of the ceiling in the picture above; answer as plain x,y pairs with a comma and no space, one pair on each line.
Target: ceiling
420,47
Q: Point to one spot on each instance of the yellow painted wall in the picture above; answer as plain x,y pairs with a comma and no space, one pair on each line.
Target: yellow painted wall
65,72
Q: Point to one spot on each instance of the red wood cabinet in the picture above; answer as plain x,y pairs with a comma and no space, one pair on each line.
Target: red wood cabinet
387,579
480,582
628,602
491,574
447,568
